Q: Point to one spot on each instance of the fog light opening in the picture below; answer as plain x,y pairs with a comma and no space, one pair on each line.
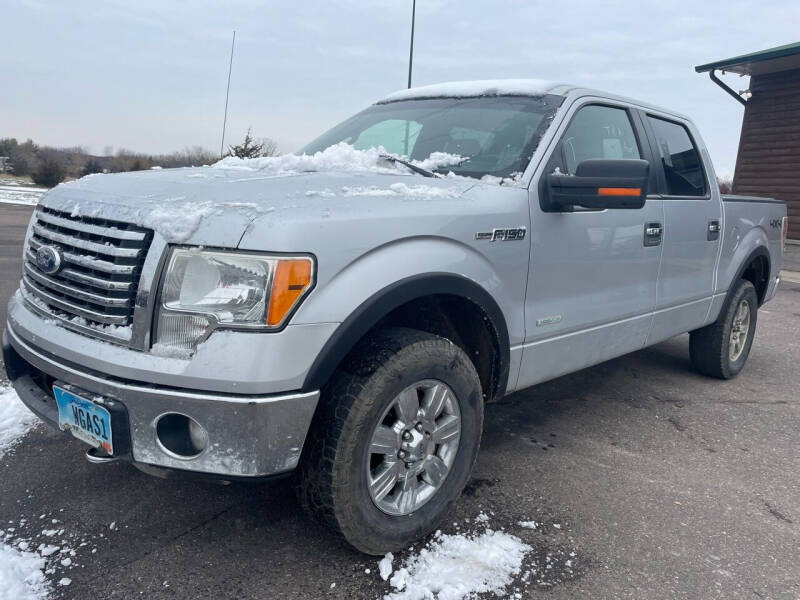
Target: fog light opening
181,436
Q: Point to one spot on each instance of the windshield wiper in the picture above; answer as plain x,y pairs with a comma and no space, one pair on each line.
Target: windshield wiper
410,165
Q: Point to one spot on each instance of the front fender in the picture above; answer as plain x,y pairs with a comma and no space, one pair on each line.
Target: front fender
388,277
337,296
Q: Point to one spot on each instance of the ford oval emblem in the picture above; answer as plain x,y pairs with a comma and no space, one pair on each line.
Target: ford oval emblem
48,259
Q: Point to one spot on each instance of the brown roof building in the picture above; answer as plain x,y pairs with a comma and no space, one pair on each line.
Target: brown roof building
768,162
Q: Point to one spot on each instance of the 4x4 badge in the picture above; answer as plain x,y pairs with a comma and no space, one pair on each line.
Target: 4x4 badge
503,234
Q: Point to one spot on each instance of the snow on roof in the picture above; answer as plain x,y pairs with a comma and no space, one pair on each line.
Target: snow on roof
471,89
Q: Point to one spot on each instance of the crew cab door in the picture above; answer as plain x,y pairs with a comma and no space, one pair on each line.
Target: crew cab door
692,228
592,282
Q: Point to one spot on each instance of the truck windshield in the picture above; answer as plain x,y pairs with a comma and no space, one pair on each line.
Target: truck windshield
496,135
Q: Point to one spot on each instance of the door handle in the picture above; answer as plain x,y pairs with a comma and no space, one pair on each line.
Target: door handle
653,232
713,231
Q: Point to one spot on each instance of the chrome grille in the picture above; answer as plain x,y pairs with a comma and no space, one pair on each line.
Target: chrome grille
102,262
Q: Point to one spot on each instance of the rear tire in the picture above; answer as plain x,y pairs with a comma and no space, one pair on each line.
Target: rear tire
721,349
344,460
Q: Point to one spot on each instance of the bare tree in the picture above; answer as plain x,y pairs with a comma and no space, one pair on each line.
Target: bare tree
725,185
269,147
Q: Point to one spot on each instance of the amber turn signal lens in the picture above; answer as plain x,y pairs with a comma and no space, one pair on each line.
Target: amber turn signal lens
619,191
292,278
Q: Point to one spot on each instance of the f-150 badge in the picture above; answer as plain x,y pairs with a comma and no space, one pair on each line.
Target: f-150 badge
502,234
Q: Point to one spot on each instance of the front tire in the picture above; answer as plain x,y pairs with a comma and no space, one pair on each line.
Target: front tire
721,349
393,441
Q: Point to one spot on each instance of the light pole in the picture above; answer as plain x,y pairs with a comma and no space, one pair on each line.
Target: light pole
227,93
411,58
411,50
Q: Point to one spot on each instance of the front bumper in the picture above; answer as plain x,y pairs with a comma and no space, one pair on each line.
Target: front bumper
248,435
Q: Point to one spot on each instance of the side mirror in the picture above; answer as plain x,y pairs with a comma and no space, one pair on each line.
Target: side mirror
599,184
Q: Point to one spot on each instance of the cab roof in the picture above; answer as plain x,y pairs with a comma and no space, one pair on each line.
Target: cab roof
509,87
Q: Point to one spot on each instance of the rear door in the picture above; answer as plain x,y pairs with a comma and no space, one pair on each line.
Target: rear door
592,282
692,226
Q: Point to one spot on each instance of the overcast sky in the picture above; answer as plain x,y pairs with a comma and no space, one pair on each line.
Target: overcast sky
150,75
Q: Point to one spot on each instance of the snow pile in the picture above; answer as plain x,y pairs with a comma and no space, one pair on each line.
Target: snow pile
21,575
15,420
341,157
473,89
437,160
401,189
385,566
453,567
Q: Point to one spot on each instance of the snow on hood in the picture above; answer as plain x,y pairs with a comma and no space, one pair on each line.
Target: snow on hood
472,89
340,157
214,205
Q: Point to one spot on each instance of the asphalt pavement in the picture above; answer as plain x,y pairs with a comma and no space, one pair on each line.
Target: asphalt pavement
663,483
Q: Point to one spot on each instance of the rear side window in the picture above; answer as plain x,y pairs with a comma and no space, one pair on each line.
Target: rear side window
683,167
597,132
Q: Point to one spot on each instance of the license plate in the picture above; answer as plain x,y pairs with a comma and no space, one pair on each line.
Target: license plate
86,420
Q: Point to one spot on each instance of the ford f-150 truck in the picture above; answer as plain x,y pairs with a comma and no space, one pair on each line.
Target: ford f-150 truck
345,313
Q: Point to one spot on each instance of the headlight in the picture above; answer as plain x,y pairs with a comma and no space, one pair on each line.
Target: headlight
204,289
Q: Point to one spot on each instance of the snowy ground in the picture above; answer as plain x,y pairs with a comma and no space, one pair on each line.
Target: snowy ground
19,194
15,419
21,568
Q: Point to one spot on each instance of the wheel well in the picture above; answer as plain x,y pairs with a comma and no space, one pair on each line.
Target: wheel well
462,322
757,273
440,303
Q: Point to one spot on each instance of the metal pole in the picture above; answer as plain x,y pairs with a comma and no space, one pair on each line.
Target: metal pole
227,94
411,51
411,58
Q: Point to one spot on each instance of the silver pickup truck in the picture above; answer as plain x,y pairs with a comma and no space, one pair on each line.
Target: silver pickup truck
344,313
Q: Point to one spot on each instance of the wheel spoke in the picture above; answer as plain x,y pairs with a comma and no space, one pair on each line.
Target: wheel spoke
385,480
408,494
384,441
434,403
408,405
447,429
434,471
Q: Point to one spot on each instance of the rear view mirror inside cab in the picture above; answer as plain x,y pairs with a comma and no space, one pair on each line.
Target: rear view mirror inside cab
598,184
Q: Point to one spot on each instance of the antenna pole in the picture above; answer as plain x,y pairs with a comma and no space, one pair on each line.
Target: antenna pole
411,51
227,94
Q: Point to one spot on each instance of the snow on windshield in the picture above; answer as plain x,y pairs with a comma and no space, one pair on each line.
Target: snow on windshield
473,89
339,157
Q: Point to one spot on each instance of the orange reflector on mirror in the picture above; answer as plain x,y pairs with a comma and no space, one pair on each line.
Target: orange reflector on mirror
619,191
292,278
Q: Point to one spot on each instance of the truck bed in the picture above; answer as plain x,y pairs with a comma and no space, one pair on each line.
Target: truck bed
739,198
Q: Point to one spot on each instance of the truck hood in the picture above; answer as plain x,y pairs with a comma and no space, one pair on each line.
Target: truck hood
217,206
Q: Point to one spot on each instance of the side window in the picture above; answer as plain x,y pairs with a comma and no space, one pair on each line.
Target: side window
683,167
395,135
596,132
